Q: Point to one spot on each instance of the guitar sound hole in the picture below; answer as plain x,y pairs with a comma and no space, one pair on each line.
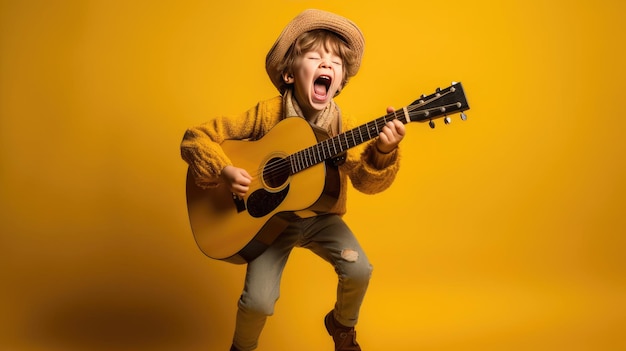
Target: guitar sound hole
276,172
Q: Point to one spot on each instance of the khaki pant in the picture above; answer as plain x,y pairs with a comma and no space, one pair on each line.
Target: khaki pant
328,237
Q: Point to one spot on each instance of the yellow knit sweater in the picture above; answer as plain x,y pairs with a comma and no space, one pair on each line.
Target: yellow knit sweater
369,171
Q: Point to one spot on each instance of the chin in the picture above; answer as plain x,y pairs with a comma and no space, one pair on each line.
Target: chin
319,107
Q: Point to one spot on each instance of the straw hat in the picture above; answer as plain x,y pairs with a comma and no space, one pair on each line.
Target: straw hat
307,21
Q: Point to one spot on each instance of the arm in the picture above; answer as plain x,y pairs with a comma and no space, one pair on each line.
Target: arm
373,168
201,149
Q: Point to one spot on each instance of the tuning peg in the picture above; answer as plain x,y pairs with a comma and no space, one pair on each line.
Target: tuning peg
463,116
447,120
431,124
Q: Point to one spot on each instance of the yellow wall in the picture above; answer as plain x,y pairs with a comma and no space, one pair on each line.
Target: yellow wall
504,232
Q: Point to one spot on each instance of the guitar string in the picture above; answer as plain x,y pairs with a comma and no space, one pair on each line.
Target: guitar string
283,165
310,158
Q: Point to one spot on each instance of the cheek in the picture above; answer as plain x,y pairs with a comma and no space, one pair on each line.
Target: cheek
341,74
338,83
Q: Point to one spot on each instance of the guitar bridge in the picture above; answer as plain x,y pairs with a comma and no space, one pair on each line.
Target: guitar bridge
239,203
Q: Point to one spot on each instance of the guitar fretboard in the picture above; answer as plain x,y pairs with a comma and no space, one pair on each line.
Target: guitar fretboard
333,147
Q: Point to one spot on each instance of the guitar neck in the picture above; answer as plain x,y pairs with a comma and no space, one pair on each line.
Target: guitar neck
335,146
439,104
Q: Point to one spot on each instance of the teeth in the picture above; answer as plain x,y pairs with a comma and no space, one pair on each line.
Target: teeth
323,80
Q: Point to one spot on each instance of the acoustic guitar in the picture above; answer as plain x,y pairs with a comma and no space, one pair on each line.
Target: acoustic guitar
295,171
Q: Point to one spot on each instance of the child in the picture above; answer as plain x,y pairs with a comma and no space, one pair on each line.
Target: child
310,63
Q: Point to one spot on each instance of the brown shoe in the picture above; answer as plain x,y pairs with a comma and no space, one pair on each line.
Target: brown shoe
344,337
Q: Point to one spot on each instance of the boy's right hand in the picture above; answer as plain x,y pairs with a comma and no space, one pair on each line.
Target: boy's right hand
237,179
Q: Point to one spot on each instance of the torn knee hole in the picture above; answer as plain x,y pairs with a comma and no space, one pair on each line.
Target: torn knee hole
349,255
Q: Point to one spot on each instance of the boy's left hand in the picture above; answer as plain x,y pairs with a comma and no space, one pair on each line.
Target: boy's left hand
391,135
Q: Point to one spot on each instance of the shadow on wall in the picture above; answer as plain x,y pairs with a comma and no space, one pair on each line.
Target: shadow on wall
114,318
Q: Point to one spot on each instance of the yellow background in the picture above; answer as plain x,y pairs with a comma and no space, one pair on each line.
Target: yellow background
504,232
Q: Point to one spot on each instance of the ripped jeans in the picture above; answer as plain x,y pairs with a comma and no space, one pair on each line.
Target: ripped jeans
327,236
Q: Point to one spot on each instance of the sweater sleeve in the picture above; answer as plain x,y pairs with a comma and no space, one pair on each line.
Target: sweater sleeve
201,149
369,170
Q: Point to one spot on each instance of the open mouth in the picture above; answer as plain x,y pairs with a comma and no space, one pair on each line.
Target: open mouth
321,85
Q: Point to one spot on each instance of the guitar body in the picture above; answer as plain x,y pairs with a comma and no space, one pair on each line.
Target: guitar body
237,230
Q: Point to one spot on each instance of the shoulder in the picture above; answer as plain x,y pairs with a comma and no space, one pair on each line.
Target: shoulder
274,104
266,114
268,110
347,122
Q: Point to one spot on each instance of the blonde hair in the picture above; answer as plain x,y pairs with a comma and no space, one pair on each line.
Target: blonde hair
330,41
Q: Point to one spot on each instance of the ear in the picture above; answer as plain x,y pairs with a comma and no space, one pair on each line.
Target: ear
288,78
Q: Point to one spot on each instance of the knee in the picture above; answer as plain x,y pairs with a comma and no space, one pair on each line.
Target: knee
258,305
358,271
362,274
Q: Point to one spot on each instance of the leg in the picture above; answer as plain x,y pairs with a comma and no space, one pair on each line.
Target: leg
262,290
331,239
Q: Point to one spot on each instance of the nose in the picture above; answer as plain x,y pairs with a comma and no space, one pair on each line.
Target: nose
325,63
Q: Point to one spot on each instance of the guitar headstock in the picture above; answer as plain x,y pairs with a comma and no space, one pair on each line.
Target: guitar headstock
441,103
